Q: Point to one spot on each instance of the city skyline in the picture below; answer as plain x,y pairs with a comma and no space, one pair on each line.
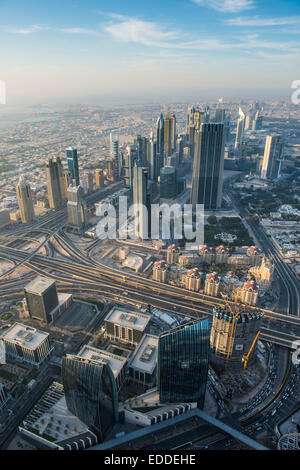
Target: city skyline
151,49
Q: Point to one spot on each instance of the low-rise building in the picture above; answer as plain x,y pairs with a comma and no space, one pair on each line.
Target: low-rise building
123,326
142,365
26,344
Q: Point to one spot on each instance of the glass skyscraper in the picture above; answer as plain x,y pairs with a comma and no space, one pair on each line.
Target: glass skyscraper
208,166
91,393
183,358
72,160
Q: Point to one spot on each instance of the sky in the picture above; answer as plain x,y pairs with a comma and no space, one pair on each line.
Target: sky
77,51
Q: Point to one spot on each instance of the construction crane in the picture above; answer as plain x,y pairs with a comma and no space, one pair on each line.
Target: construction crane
235,314
246,356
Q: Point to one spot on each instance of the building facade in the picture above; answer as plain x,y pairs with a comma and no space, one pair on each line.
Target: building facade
91,393
25,201
183,358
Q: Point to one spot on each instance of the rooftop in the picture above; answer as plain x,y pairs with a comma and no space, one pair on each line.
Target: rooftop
25,335
116,362
145,356
39,285
128,319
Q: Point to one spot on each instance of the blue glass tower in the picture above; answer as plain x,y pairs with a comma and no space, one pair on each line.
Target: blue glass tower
72,160
91,393
183,358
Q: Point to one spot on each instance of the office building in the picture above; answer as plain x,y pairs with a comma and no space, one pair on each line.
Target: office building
116,363
77,211
56,184
154,163
130,157
160,133
257,122
41,298
73,169
273,157
141,200
87,182
189,118
24,196
169,133
183,358
234,343
240,130
123,326
208,167
220,115
26,345
168,182
91,393
142,364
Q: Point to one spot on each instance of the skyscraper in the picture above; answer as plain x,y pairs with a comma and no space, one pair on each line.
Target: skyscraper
153,166
169,133
77,216
114,151
91,393
73,168
208,166
189,118
183,358
272,160
141,197
240,130
130,158
160,129
24,196
56,185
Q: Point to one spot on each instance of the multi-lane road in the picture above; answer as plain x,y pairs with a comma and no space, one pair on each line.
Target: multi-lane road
81,272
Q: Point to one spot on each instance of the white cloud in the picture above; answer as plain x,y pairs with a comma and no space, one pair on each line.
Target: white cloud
148,33
90,32
259,21
27,30
226,6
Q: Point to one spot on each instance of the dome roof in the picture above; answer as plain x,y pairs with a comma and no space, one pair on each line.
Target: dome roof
160,265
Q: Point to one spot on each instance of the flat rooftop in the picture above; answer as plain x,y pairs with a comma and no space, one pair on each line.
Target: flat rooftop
39,285
144,358
128,319
116,362
25,335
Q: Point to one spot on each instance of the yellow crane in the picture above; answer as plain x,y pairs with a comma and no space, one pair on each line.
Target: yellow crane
246,356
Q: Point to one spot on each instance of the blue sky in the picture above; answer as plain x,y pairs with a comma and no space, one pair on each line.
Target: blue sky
71,50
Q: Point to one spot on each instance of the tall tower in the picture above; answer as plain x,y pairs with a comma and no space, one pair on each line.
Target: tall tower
73,168
77,216
160,125
189,118
272,161
141,197
24,196
240,130
168,133
114,151
57,193
208,166
182,369
130,157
